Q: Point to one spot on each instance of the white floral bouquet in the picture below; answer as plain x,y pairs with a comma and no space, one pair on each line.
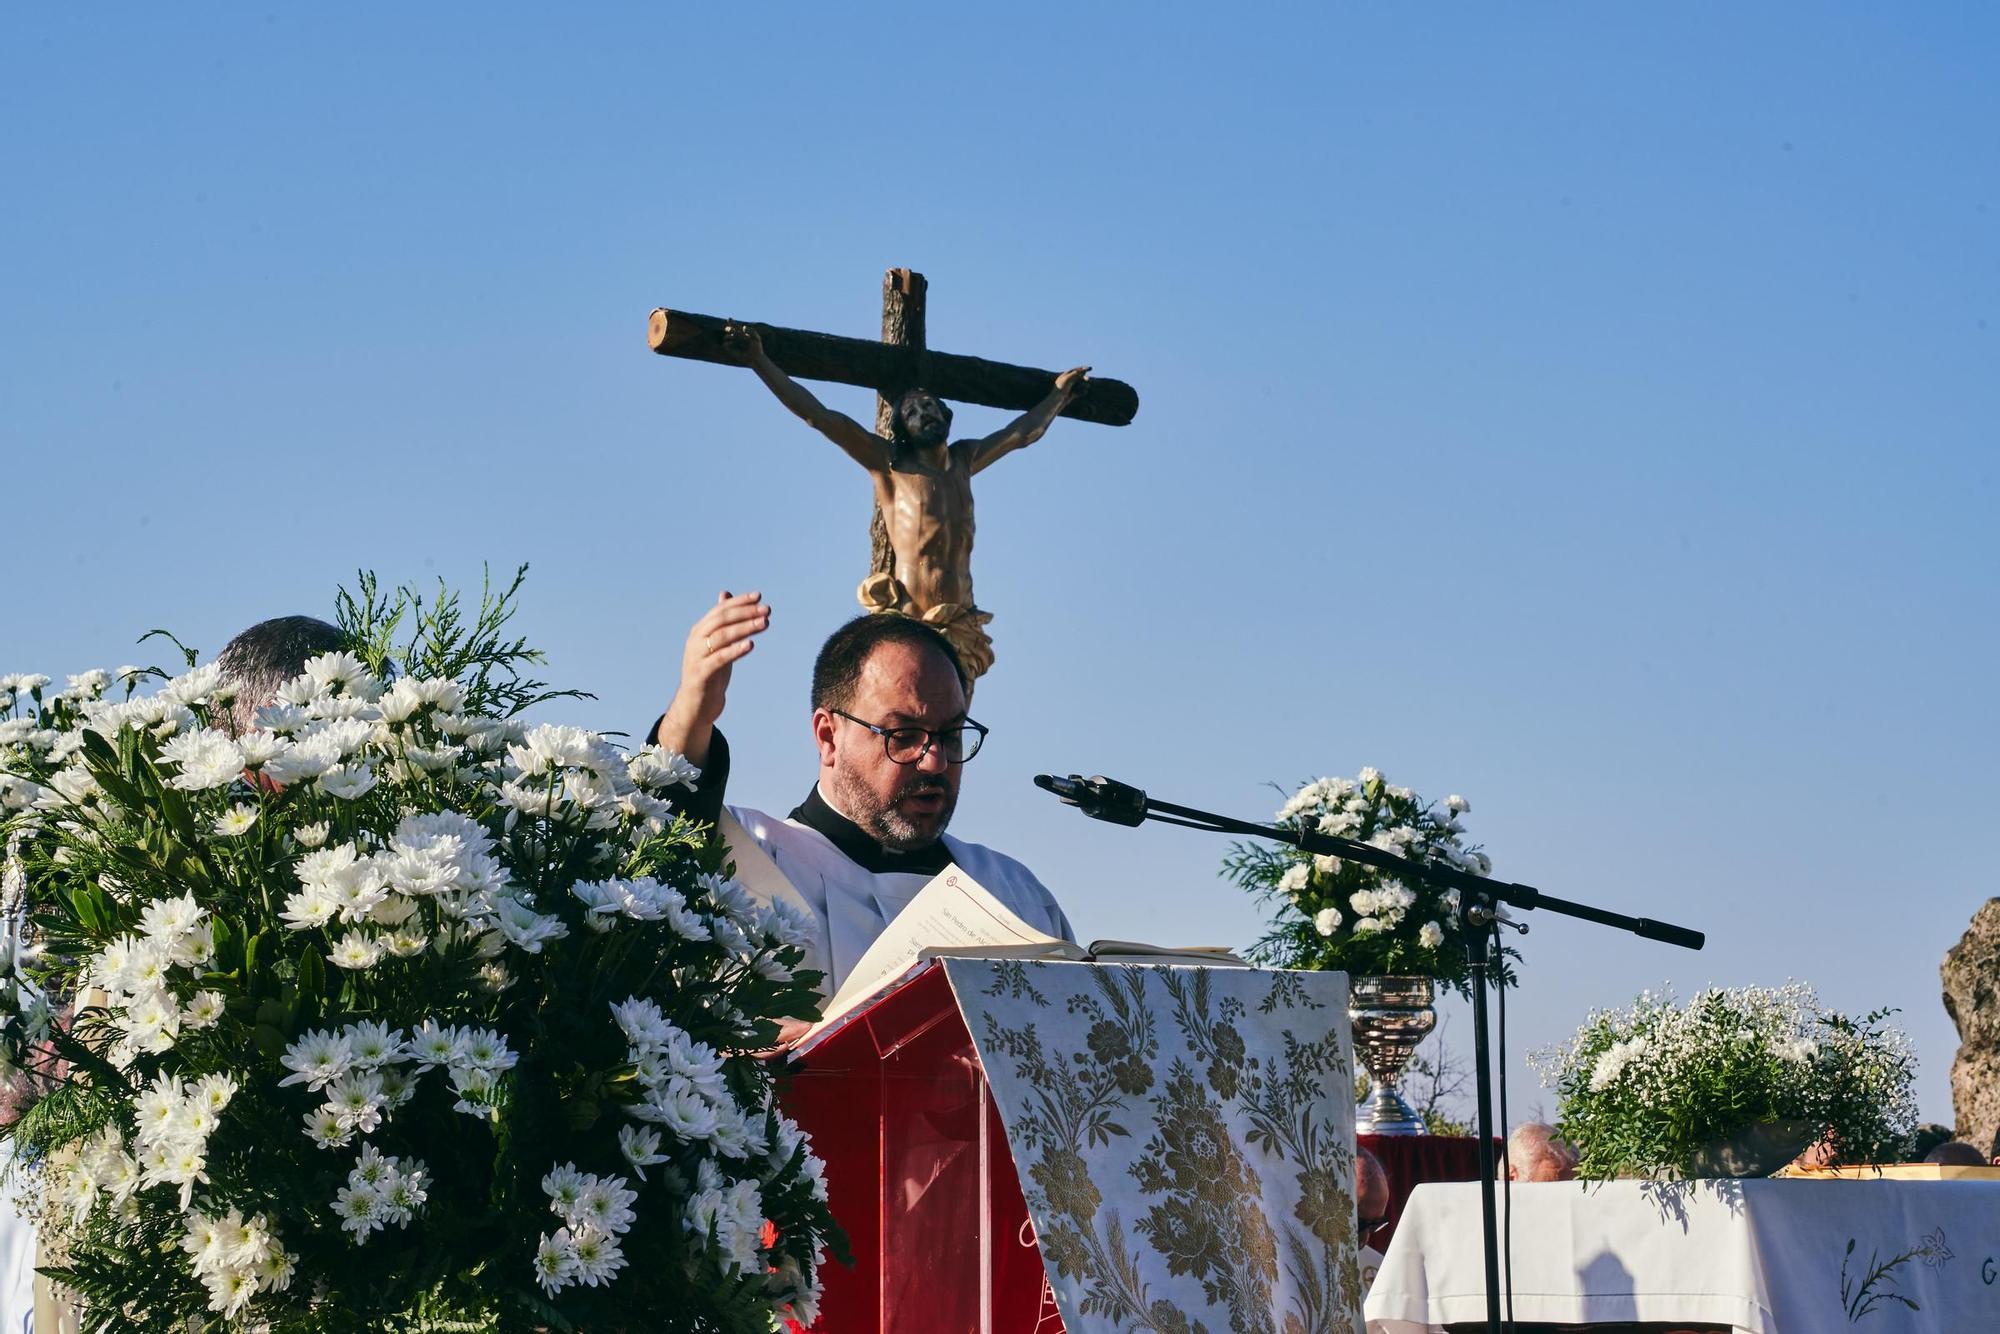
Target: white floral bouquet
1334,913
393,1012
1664,1090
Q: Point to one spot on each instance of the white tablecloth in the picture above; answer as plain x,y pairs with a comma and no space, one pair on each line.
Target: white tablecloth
1762,1257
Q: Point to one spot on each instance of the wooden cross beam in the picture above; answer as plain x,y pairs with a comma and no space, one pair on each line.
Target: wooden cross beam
901,361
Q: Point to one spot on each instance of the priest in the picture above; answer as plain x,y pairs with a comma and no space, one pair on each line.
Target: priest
890,727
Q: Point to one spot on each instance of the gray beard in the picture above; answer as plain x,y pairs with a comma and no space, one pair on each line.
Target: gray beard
885,824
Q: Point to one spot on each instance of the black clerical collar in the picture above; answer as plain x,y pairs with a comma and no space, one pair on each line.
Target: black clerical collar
860,847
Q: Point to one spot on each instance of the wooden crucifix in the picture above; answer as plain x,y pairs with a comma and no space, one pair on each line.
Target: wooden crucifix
923,524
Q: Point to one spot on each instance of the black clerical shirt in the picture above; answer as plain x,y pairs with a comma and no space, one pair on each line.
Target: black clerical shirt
854,842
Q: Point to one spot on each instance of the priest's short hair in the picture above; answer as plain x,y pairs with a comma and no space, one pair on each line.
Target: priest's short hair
837,669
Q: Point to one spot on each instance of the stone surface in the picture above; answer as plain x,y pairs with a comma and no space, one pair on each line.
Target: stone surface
1971,975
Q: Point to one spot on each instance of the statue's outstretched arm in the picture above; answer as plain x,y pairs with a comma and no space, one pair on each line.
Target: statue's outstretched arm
866,448
1031,425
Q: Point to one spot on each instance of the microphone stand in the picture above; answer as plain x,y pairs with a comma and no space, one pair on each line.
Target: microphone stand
1479,898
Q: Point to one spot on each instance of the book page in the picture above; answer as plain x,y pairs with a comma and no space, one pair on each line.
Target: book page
952,913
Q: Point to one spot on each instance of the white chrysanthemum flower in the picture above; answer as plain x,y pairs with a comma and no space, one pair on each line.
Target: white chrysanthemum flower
326,866
564,1187
656,770
311,907
405,1193
195,686
282,718
348,782
598,1256
326,671
393,910
203,1243
357,1099
213,1092
275,1273
374,1044
310,836
360,890
432,1045
245,1241
525,928
203,1010
791,924
316,1060
230,1289
360,1211
645,1026
236,820
555,1262
165,920
488,1051
371,1168
605,1203
77,785
307,759
205,759
731,1137
475,1089
405,942
681,1109
260,747
641,1147
355,951
325,1128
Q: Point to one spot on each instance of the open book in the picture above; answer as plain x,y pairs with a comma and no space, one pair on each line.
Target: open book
956,915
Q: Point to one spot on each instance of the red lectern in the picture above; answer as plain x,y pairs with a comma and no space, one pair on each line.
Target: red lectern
918,1174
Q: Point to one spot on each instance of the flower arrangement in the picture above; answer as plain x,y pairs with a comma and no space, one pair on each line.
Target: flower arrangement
1334,913
393,1011
1653,1090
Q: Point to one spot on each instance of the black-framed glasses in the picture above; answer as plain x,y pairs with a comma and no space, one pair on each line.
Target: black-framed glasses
908,745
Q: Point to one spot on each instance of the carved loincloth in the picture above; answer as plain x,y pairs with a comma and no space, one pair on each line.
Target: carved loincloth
961,623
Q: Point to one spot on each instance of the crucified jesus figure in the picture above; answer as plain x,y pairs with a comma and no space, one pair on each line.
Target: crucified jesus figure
923,491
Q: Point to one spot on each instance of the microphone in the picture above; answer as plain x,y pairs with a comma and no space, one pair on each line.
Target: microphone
1098,797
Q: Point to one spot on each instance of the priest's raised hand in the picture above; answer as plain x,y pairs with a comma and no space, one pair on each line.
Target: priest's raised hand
725,633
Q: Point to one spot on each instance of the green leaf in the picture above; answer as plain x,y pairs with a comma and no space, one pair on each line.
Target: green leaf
254,947
311,985
83,901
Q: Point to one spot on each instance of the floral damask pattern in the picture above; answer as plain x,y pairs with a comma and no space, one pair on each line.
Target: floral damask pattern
1185,1137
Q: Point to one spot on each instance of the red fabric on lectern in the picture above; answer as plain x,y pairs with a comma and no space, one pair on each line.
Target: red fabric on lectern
1411,1160
919,1175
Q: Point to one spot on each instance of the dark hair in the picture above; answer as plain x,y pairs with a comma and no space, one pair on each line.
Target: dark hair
1925,1138
270,653
1956,1153
837,669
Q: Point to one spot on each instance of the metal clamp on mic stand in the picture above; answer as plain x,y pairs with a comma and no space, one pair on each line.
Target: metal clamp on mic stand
1480,901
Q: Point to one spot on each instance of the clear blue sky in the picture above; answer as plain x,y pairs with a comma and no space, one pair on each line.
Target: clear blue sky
1588,409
